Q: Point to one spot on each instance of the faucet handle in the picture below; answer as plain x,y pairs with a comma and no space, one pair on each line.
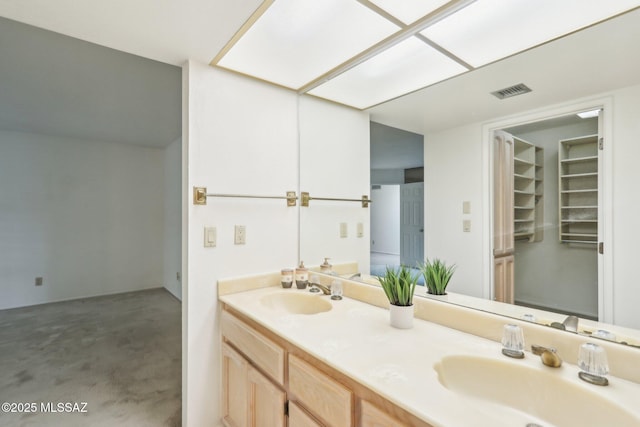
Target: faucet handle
593,364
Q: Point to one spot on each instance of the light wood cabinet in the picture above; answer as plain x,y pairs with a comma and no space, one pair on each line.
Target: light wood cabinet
319,396
372,416
298,417
263,352
503,279
578,195
235,403
266,401
249,398
324,397
503,198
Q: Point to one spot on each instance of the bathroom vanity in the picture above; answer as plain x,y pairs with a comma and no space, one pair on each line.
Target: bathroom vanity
290,357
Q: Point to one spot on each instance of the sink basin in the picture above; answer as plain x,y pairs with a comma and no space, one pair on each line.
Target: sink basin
542,393
296,303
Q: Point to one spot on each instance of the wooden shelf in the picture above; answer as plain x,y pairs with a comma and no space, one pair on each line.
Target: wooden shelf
528,160
578,195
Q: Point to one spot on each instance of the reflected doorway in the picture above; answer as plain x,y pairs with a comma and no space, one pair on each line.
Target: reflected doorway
397,191
554,190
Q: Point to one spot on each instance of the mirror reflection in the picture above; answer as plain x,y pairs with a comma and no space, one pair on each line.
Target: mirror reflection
557,229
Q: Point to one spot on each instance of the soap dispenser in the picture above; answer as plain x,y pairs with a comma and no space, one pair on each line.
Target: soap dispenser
302,276
325,267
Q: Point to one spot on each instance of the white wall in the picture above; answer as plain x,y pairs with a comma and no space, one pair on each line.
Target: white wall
173,217
626,201
385,219
86,216
453,172
549,273
239,136
334,163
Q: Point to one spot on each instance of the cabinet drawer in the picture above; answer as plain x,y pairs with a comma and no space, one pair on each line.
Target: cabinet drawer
264,353
324,397
371,416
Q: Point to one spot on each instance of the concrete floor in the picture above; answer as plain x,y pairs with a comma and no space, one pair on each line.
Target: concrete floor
121,354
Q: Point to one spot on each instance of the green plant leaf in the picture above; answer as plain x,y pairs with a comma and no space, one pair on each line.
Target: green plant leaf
437,275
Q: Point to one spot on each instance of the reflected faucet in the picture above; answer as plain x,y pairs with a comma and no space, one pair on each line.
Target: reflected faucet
569,324
353,276
548,355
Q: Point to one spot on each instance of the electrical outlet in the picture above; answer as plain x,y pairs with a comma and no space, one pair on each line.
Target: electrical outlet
39,281
466,225
178,276
210,237
240,235
360,230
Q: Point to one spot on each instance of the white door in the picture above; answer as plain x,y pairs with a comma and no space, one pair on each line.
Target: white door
411,223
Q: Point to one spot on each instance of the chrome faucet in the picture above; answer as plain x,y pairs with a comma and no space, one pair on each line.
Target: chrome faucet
548,355
325,289
353,276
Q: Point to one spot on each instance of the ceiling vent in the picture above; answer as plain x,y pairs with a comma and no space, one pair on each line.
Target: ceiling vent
514,90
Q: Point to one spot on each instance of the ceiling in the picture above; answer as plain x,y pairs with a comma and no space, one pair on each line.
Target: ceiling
596,60
58,85
592,61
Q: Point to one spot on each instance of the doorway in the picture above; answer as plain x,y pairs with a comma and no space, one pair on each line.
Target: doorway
397,191
556,213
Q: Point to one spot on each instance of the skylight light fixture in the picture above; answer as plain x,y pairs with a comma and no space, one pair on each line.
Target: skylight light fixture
364,52
589,114
396,71
296,41
489,30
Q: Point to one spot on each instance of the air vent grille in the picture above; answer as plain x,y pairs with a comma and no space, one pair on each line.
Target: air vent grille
376,187
511,91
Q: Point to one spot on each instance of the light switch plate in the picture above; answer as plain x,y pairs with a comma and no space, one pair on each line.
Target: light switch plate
466,207
343,230
240,235
466,225
210,237
360,231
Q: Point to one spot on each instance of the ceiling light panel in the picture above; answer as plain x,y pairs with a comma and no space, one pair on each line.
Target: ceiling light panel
488,30
403,68
409,11
296,41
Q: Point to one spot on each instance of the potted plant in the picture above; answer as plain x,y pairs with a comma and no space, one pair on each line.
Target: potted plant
399,286
437,275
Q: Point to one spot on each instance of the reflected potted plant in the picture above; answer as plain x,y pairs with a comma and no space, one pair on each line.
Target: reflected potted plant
399,285
436,275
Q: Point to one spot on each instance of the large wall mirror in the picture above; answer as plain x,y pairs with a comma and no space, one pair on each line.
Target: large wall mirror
592,69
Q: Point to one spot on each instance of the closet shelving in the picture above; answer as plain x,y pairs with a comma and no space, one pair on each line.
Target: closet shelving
578,178
527,190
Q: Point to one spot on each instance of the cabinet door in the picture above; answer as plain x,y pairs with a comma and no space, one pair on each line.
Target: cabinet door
371,416
503,278
266,401
503,243
299,418
234,388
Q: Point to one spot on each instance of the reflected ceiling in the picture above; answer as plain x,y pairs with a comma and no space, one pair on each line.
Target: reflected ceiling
364,52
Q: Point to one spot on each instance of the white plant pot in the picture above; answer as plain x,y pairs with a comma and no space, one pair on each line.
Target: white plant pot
401,316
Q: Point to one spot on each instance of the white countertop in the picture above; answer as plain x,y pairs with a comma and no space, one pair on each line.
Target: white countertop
356,339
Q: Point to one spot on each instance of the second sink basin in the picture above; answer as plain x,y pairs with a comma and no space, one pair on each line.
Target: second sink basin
540,393
293,302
